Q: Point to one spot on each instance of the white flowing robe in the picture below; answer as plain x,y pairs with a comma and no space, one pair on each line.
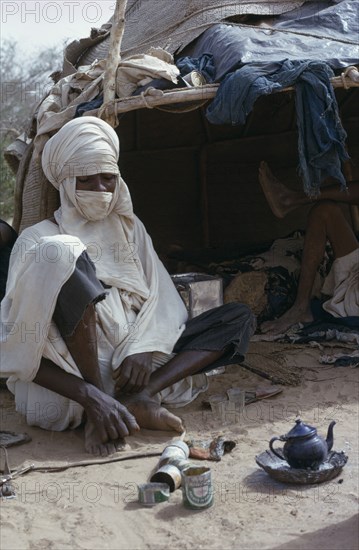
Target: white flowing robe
342,284
41,262
143,311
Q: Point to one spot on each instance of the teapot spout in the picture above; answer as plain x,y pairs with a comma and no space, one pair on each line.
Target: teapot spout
330,438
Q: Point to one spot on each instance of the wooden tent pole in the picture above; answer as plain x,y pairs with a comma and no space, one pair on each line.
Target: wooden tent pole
113,59
156,98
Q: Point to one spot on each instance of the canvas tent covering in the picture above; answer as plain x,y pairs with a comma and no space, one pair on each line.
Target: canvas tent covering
195,184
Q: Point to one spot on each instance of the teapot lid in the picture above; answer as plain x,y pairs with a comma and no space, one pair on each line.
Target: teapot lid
301,430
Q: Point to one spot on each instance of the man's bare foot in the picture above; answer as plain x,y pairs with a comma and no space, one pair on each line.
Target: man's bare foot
94,445
280,199
107,422
150,415
293,316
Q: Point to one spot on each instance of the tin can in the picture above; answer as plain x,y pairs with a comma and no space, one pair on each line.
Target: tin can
180,463
197,488
168,474
194,78
150,494
177,449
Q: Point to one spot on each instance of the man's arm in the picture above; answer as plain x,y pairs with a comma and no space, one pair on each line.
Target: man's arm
111,419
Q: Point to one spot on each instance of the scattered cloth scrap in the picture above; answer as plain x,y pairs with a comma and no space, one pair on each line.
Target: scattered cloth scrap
341,359
74,94
342,285
314,332
139,70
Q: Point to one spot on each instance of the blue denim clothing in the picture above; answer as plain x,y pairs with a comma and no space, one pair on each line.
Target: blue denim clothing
321,136
203,64
321,140
89,106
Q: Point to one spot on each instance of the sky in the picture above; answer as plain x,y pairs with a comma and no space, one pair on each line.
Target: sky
35,25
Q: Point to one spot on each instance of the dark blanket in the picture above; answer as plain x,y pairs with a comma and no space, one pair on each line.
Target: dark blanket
325,30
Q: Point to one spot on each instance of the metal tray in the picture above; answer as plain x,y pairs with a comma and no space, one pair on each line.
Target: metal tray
281,471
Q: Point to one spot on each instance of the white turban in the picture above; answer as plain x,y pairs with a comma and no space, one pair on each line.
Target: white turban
83,146
86,146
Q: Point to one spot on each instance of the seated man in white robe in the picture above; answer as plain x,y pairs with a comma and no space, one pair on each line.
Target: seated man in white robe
326,221
93,328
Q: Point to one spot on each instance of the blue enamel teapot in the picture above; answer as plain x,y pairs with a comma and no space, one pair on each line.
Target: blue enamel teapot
303,447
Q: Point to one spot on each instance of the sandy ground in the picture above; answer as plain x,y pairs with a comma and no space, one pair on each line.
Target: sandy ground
96,506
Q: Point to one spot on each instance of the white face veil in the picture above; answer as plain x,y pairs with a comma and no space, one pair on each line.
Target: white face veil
83,146
103,221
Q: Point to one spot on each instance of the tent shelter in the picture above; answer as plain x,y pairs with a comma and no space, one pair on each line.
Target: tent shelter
195,186
193,183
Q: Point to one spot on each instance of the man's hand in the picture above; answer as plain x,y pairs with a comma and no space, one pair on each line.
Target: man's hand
133,375
107,420
111,419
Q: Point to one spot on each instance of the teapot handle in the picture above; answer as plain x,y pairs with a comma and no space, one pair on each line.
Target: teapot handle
273,450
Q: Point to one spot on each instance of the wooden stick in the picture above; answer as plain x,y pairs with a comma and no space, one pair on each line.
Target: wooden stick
113,59
155,98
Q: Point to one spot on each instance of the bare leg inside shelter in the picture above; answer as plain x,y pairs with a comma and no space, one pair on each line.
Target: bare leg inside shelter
283,200
326,221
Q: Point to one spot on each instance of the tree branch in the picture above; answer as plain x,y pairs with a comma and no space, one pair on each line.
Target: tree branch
114,56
